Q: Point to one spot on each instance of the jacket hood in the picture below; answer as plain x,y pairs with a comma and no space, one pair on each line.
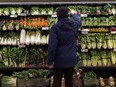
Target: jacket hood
65,24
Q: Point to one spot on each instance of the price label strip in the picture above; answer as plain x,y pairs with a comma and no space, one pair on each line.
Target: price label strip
113,32
45,28
83,15
13,16
114,49
54,15
22,46
84,50
84,32
23,14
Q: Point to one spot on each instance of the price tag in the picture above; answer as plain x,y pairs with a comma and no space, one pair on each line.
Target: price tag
84,32
36,14
83,15
13,16
45,28
54,15
22,46
78,73
23,14
113,32
114,49
84,50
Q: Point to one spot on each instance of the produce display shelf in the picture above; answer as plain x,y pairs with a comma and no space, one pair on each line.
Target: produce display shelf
41,28
21,68
9,46
24,46
20,16
10,30
36,67
27,13
87,15
101,71
53,0
10,70
49,2
97,67
86,49
98,26
41,45
94,32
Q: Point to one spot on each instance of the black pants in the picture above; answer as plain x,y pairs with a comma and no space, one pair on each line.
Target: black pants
68,76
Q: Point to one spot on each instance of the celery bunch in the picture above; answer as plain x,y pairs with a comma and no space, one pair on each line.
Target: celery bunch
83,42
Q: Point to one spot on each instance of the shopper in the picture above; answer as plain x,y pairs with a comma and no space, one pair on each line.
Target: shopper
62,47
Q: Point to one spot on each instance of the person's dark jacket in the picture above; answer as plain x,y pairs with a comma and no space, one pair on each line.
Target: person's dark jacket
61,45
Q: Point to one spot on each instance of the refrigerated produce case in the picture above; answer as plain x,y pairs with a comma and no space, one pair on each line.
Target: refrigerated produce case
33,20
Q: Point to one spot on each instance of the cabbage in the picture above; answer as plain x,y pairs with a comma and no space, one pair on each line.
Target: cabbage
22,37
83,42
88,42
28,38
104,57
93,41
38,38
110,42
99,40
19,10
113,57
33,38
1,11
114,41
44,39
8,81
84,59
104,44
35,10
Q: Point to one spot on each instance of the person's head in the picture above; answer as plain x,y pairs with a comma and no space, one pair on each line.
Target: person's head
62,12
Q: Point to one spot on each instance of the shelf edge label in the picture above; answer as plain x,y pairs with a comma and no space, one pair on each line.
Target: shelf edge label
83,15
84,32
45,28
54,15
13,16
113,32
114,49
84,50
22,46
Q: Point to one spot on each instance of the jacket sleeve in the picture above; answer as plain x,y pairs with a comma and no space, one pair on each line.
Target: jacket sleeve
77,20
52,45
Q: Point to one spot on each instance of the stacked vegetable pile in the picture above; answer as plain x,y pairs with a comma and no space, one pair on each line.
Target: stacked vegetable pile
98,41
36,10
11,10
7,24
97,35
108,9
101,21
90,79
31,73
33,23
16,57
9,38
8,81
97,58
94,10
24,38
25,78
33,38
